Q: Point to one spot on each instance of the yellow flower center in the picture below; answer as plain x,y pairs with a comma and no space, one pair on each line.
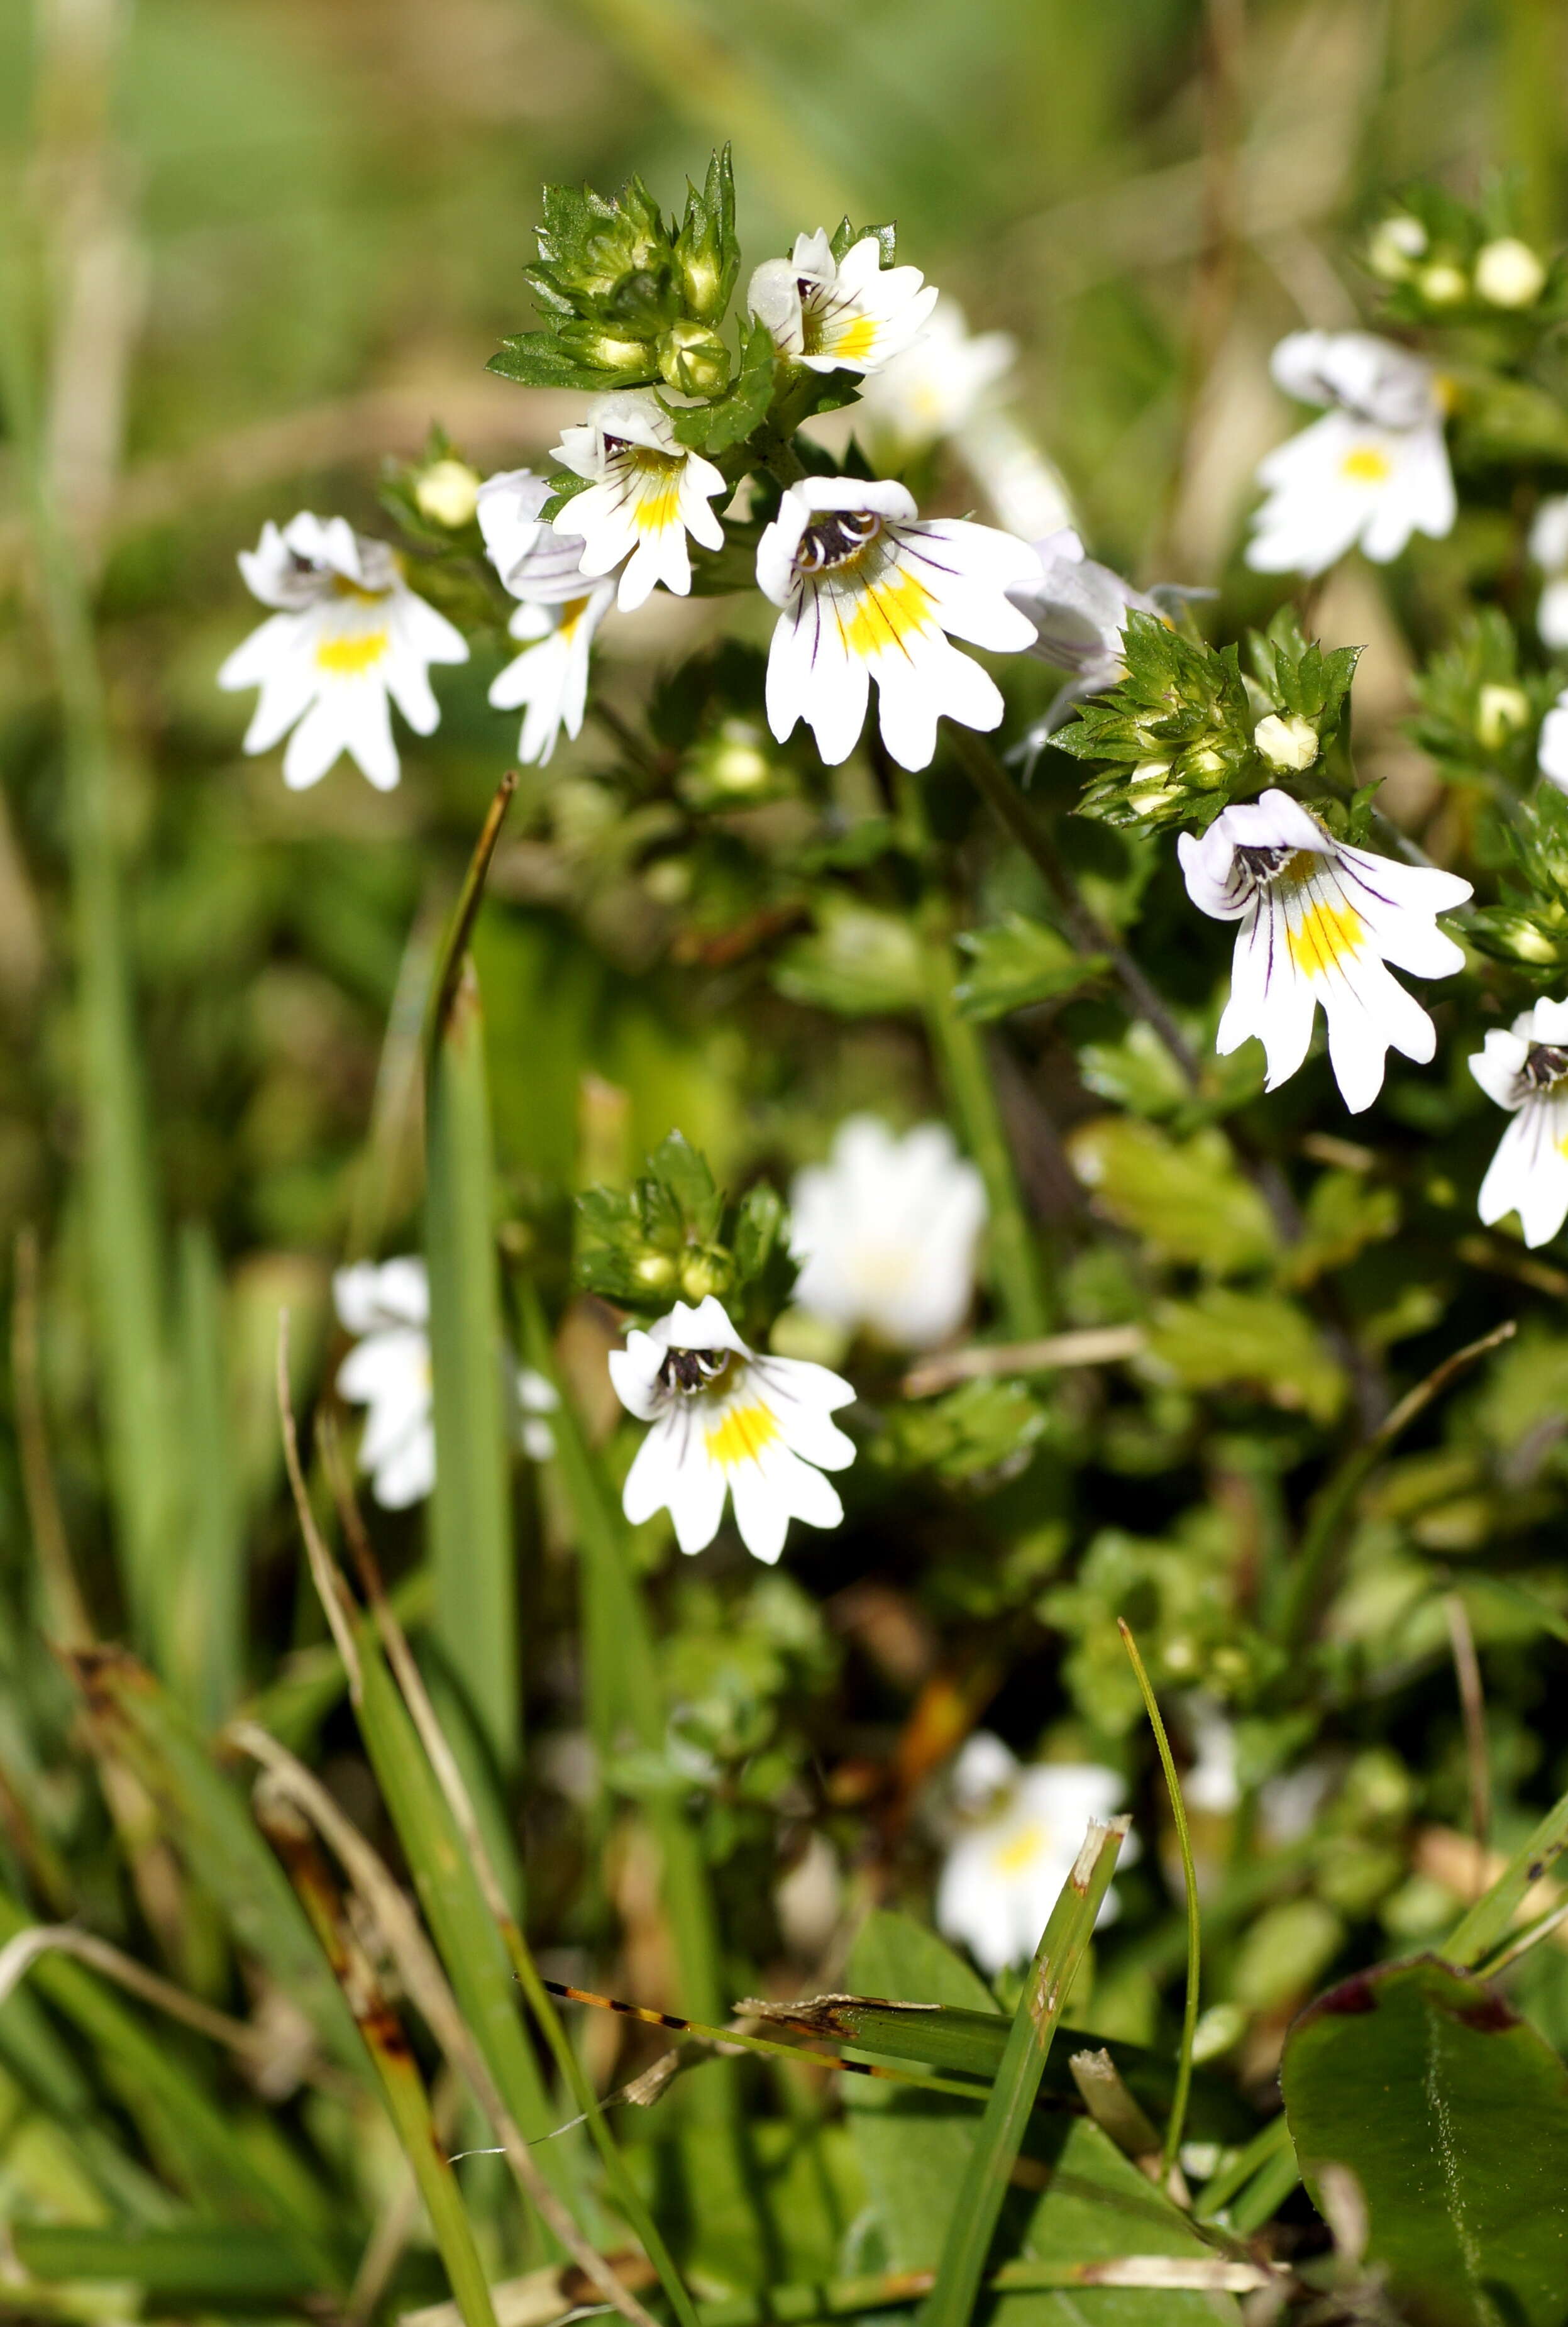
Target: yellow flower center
741,1435
657,506
1324,934
350,654
1366,464
343,588
572,613
1019,1850
887,612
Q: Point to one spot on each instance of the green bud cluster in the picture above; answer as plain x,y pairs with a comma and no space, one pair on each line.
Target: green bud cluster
1187,730
1481,715
628,298
1529,925
1445,261
672,1236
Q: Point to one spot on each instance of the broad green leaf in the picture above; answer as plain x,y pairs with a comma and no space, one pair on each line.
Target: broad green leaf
1018,961
1452,2115
1226,1338
859,960
806,2186
1184,1197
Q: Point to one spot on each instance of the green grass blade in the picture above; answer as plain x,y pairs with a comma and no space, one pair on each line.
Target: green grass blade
209,2262
1486,1923
471,1546
387,2048
123,1237
623,1685
209,1621
1013,2096
182,2122
209,1818
453,1906
1172,2147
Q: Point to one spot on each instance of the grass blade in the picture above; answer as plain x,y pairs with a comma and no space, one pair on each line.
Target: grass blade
1178,2117
1486,1925
471,1547
216,2262
1034,2023
208,1617
387,2046
623,1687
207,1815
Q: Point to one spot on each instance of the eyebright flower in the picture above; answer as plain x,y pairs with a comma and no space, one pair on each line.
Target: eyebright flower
1079,611
1373,470
349,639
886,1232
1525,1069
1549,551
1025,1827
647,492
847,314
933,389
725,1420
1319,921
388,1372
868,591
558,616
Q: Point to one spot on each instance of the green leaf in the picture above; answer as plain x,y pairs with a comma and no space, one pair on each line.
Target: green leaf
981,1428
1452,2115
1185,1198
544,360
471,1509
207,2262
1344,1213
844,236
681,1171
706,249
1226,1338
860,961
1020,961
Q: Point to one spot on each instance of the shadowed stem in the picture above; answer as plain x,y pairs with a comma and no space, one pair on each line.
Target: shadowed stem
1172,2148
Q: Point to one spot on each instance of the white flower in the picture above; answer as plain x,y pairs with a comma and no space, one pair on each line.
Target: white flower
1509,273
387,1307
846,314
1373,470
1549,551
646,493
559,613
348,638
727,1421
933,388
886,1232
1525,1069
1319,921
868,592
1025,1828
1212,1782
1079,611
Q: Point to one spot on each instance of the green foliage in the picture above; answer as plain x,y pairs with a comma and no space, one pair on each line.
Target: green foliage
1018,962
1481,715
1256,1340
982,1430
1463,2212
1528,929
860,960
1185,1197
669,1237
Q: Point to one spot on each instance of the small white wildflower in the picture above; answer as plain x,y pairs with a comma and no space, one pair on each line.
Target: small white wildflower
348,639
1525,1069
868,591
559,613
846,314
886,1232
725,1421
1549,551
1509,273
933,389
387,1371
1318,923
1023,1829
1373,470
646,493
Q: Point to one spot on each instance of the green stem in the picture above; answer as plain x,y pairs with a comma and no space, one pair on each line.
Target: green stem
1178,2117
117,1164
1015,1273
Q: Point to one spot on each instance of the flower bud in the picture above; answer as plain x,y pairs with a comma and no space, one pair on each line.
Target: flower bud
447,493
1396,244
1509,273
1286,743
1147,790
1526,942
701,281
702,1273
656,1270
1500,712
735,761
614,354
693,358
1442,284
